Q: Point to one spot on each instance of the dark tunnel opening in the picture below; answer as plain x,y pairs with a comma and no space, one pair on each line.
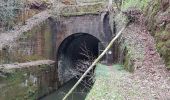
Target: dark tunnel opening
74,46
75,55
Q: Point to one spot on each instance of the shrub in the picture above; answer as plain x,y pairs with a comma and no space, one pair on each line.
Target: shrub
8,12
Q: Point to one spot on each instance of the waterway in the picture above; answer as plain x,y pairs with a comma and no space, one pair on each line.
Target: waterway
79,93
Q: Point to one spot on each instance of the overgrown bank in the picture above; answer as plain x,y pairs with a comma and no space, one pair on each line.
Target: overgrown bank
158,23
155,16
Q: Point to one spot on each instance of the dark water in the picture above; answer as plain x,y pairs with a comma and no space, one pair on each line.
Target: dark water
79,93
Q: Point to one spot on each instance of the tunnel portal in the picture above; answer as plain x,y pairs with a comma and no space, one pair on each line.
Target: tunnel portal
74,50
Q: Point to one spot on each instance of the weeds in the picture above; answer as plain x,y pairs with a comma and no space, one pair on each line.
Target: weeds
140,4
8,12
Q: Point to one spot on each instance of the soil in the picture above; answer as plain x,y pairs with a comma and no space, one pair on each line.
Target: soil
150,72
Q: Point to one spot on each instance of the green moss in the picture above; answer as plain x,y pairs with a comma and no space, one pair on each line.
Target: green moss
13,90
18,57
160,45
167,43
82,10
108,84
162,36
140,4
168,65
27,35
33,57
128,64
150,13
163,45
164,52
155,8
104,87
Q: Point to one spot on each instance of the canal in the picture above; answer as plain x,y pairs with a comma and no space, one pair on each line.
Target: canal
79,93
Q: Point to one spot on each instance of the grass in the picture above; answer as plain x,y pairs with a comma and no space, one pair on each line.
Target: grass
105,87
140,4
114,83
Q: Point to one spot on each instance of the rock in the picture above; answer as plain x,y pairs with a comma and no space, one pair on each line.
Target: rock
68,2
152,52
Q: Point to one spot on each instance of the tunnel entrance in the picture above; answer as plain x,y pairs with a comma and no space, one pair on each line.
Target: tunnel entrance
75,55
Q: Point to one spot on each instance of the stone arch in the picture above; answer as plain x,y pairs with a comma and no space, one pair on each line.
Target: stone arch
69,51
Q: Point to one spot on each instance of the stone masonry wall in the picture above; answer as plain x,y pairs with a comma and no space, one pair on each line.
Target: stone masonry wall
27,81
27,43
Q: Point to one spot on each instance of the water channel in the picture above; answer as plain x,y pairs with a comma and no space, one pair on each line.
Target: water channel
79,93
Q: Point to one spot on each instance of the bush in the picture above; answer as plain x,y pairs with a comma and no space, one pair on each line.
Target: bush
8,12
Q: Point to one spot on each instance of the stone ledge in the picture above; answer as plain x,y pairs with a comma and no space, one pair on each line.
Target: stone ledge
32,80
10,67
82,9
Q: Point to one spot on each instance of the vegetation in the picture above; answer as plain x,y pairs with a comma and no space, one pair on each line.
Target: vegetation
157,15
16,81
26,83
9,9
109,80
139,4
112,82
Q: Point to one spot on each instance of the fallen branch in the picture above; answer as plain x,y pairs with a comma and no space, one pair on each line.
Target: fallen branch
95,62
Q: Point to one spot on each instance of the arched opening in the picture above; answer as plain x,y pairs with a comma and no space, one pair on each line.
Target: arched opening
75,54
77,47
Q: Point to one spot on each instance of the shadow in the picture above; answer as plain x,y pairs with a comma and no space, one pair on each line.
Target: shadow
79,93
